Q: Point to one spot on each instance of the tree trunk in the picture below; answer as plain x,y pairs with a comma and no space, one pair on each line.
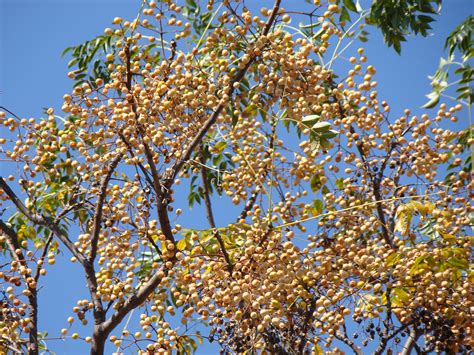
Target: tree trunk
98,341
33,328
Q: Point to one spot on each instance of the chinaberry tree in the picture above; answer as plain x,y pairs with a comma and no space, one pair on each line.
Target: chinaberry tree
351,222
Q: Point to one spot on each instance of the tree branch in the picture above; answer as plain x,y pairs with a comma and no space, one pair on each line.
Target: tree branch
378,197
12,241
410,342
176,168
230,266
43,255
251,201
99,314
307,322
249,204
210,215
41,220
133,302
146,174
385,338
205,184
345,339
15,249
148,152
101,331
97,220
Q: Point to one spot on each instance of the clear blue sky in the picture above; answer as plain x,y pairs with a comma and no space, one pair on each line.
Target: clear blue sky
33,33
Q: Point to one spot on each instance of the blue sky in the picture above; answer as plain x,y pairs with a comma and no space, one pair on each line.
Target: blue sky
33,33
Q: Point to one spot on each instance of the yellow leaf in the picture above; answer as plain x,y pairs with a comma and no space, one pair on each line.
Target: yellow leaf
403,221
401,295
317,350
418,269
181,245
393,259
447,236
54,246
250,110
423,209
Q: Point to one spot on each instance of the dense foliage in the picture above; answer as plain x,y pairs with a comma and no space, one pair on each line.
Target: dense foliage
333,224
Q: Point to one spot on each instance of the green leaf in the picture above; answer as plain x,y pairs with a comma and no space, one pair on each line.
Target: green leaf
462,264
324,143
397,46
311,25
434,99
317,350
329,134
220,146
68,49
315,183
72,62
344,17
350,5
193,343
310,118
321,126
318,207
339,183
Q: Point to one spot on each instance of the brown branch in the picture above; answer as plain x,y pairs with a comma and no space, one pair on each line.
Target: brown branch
36,218
207,194
210,215
388,318
68,209
165,221
161,192
33,325
380,212
41,220
376,191
140,165
148,152
97,220
306,325
43,256
396,180
385,339
342,336
176,168
15,249
230,266
249,205
410,342
251,201
101,331
12,241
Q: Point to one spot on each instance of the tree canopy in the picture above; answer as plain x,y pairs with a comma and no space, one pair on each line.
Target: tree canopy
333,224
